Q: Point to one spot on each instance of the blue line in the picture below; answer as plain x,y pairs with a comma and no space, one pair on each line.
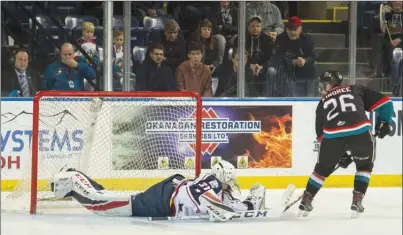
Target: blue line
294,99
16,99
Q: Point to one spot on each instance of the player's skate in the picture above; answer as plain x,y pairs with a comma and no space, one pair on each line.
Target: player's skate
356,206
306,204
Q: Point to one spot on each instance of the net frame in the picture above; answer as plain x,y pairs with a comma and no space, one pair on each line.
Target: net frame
105,94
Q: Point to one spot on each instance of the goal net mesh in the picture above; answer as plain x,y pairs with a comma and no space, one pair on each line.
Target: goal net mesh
126,144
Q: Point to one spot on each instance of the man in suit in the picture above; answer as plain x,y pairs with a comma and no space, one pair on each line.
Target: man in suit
20,81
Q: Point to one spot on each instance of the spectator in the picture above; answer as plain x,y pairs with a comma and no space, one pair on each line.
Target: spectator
67,73
204,36
270,16
88,44
193,75
87,41
151,9
224,19
260,47
228,83
298,51
392,46
118,35
20,80
174,44
190,13
154,75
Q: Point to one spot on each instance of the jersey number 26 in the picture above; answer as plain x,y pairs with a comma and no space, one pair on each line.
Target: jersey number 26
342,101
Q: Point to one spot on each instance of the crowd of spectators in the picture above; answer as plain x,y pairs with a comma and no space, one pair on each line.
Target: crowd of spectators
197,50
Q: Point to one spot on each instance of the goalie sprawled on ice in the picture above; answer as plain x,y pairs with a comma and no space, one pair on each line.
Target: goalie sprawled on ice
215,196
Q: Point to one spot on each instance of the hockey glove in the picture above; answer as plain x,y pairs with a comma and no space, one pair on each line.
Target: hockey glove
382,129
345,160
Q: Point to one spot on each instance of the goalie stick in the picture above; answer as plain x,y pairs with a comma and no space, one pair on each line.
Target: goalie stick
300,196
274,213
238,215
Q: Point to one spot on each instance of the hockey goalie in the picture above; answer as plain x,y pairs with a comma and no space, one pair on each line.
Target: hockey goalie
215,196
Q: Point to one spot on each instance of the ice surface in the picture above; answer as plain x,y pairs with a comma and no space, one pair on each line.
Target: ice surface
331,216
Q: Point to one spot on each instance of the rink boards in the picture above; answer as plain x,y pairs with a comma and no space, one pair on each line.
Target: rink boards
283,151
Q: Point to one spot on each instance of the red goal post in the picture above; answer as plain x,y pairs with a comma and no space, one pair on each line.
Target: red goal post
126,140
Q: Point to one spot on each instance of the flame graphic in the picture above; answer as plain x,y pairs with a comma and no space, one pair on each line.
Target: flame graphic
277,142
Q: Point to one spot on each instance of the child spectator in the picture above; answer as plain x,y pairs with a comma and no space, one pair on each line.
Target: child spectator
118,35
88,44
87,41
118,47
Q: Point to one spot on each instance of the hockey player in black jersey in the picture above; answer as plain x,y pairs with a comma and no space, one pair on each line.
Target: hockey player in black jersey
342,126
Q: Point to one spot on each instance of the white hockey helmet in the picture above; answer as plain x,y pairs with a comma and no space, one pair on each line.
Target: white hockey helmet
224,171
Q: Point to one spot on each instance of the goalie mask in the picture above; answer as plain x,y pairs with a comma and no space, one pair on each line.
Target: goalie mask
329,78
225,172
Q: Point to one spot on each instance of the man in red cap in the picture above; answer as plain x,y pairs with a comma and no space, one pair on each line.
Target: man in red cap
297,49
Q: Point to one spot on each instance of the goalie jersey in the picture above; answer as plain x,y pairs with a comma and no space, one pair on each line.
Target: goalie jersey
186,202
341,112
185,199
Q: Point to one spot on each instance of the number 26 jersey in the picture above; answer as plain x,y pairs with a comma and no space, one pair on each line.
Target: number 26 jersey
341,112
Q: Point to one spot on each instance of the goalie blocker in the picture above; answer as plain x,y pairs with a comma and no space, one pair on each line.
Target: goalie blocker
174,197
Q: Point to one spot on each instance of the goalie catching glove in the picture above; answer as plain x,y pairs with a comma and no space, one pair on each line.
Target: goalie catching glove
225,172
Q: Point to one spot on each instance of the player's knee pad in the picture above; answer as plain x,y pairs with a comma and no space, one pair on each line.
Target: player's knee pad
323,170
365,167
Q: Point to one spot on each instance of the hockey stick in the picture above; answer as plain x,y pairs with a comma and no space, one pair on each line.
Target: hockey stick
300,197
274,213
259,214
337,167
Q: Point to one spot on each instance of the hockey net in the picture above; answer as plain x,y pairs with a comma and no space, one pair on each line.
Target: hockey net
126,141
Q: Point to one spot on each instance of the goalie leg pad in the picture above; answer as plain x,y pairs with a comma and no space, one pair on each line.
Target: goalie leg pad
79,186
285,199
256,198
215,207
62,184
